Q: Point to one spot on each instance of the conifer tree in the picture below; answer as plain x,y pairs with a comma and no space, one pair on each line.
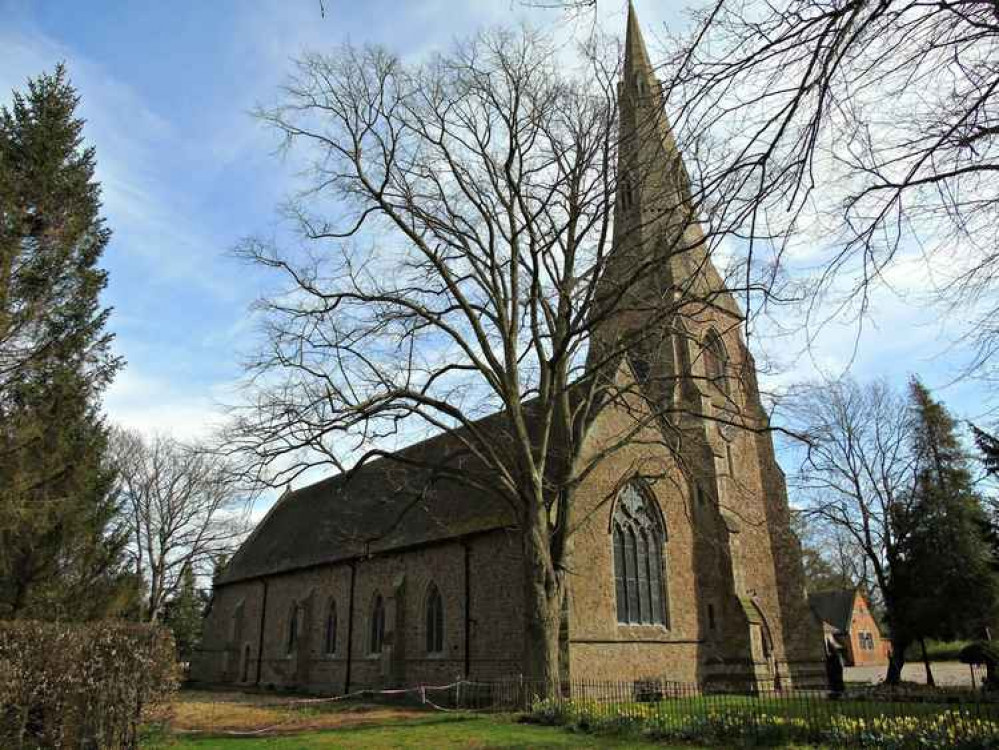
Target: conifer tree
988,445
60,548
183,615
946,577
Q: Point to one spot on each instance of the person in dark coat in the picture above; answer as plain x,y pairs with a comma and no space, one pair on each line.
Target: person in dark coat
834,670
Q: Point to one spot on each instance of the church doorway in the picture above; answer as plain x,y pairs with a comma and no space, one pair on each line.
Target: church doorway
768,655
762,643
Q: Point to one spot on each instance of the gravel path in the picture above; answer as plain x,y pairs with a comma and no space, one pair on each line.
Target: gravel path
951,673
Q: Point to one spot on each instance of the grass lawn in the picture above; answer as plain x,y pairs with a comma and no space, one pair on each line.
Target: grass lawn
936,651
248,721
430,732
228,720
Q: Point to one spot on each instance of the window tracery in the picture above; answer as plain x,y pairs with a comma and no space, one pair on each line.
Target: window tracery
639,573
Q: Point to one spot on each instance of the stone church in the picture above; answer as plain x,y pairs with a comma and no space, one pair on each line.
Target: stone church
349,583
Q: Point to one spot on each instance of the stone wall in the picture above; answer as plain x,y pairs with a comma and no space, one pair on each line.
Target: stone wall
599,647
402,579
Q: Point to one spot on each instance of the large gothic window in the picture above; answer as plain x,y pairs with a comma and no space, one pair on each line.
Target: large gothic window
639,575
377,635
715,361
435,621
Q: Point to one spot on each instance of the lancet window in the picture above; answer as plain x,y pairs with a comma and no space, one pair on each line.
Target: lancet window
639,570
715,362
376,636
434,629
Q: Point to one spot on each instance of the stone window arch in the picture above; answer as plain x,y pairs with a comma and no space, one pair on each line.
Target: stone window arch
294,626
434,620
640,83
238,619
627,192
376,633
245,674
638,539
715,361
329,632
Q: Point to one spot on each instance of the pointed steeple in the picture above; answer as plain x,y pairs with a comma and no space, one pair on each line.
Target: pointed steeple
656,228
636,56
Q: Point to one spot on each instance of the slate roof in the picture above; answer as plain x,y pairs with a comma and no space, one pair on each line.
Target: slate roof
386,504
834,608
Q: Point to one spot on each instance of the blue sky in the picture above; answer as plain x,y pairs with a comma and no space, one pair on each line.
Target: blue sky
166,89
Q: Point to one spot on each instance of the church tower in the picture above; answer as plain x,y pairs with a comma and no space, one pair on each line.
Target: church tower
677,325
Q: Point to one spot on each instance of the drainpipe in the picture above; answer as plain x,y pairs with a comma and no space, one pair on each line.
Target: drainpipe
350,626
468,610
260,640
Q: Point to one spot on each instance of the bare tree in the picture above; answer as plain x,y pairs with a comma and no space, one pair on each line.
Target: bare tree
867,131
458,224
183,510
856,479
831,558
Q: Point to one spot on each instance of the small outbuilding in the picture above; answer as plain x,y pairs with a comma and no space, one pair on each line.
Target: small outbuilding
850,627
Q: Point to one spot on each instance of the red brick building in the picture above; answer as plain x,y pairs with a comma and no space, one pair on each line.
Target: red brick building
684,566
850,627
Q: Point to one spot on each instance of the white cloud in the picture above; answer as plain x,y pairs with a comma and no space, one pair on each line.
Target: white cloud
153,405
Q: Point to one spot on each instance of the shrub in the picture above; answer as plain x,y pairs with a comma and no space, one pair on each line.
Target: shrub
80,686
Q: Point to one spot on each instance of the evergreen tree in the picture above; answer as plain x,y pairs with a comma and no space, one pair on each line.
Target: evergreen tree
183,615
946,578
60,547
988,445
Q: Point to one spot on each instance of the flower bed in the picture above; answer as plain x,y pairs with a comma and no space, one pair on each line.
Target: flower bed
951,729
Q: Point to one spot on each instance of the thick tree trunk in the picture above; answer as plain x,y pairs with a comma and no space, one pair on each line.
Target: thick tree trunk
900,636
896,662
544,589
926,664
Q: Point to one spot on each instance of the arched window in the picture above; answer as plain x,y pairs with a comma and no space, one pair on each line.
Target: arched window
715,361
435,621
293,626
639,575
627,193
640,365
377,635
246,664
238,618
640,84
329,639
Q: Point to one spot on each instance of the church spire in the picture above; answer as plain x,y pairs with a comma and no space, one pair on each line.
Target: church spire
636,56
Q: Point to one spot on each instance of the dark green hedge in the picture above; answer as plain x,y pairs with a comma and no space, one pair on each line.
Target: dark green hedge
81,686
